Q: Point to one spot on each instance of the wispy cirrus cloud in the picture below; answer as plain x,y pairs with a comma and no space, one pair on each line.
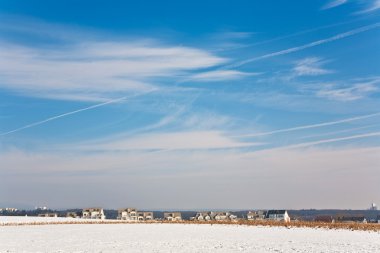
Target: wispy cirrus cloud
306,46
170,141
372,6
365,6
96,69
311,66
221,75
333,4
349,92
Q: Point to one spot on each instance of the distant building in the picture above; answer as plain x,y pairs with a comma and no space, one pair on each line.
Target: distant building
132,214
222,216
218,216
324,218
93,213
72,215
127,214
277,215
175,216
256,215
351,219
202,216
9,209
145,216
41,208
373,207
378,219
48,215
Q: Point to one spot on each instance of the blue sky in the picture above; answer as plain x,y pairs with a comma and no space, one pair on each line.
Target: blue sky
184,105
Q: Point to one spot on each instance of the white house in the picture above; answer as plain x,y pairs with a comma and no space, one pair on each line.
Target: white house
277,215
175,216
93,213
127,214
256,215
8,209
145,216
223,216
202,216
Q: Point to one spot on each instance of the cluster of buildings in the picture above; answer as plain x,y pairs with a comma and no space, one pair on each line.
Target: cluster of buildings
8,209
132,214
346,219
127,214
208,216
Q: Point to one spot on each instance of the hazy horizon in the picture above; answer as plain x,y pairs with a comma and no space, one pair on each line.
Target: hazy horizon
200,105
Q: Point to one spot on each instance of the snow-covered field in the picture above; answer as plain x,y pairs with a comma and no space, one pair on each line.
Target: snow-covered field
34,219
182,238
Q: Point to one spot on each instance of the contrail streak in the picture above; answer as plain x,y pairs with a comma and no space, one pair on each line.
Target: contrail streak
288,36
312,126
312,143
309,45
69,113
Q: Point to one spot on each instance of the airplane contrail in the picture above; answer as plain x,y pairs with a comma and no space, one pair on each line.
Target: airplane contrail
309,45
70,113
313,143
330,123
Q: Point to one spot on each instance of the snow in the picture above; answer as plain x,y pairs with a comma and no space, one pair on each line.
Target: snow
181,238
34,219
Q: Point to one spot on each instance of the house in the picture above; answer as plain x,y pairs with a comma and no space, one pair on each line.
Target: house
72,215
218,216
277,215
93,213
351,219
202,216
9,209
41,208
127,214
48,215
222,216
145,216
256,215
324,218
175,216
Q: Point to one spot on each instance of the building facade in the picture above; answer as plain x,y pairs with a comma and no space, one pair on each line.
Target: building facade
277,215
93,213
175,216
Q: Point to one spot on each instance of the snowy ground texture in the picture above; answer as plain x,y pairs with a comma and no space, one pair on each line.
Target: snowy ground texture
182,238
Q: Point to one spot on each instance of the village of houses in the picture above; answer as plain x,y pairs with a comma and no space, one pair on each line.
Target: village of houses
134,215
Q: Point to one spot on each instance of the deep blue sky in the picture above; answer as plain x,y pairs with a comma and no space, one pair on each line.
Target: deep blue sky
171,96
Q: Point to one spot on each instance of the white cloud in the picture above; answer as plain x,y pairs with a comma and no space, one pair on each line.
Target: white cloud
334,3
374,5
354,92
170,141
92,70
311,66
221,75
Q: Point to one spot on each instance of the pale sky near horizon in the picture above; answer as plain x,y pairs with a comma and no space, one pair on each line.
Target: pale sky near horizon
190,105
